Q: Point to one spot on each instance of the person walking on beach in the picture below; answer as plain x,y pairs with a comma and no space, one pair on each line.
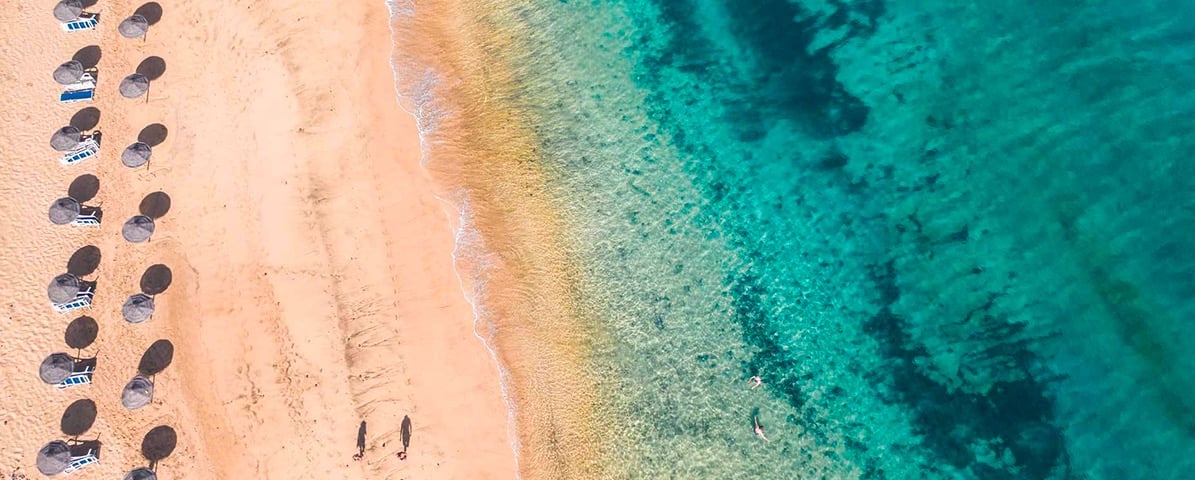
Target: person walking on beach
759,430
755,382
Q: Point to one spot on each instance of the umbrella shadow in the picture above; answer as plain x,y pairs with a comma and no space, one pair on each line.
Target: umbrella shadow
84,447
153,134
82,332
84,261
152,12
156,279
89,56
89,3
152,67
159,443
78,418
86,119
157,357
155,205
84,188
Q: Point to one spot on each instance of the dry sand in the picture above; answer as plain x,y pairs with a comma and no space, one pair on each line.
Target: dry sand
313,284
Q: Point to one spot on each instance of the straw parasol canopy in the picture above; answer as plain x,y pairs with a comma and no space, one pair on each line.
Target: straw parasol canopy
138,229
68,10
134,85
135,155
65,138
69,73
63,288
56,368
133,27
138,308
141,473
137,393
64,211
53,458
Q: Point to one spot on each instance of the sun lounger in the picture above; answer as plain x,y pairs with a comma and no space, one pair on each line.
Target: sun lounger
72,96
86,221
80,462
82,300
80,24
77,378
87,149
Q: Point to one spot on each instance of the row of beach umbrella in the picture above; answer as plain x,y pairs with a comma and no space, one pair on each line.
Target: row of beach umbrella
56,456
68,137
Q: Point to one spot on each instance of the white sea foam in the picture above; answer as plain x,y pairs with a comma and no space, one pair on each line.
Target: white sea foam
469,256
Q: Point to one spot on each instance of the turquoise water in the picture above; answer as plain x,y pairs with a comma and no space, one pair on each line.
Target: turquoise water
953,238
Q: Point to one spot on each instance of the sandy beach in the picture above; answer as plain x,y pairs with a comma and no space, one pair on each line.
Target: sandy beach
312,284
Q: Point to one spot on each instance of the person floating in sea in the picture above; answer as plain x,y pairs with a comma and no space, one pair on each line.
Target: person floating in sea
755,382
759,430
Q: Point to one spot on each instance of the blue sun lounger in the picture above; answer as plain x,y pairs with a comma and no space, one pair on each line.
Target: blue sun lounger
77,378
80,462
82,300
80,24
86,221
84,151
72,96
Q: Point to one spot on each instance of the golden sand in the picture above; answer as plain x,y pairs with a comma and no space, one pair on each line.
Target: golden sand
313,284
484,145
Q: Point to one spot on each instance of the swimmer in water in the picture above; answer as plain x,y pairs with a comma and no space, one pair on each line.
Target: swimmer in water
755,382
759,430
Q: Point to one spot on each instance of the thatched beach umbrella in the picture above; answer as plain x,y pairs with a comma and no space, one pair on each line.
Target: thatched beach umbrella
69,73
56,368
68,10
138,308
134,85
138,229
64,211
133,27
141,473
64,288
65,138
53,458
135,155
137,393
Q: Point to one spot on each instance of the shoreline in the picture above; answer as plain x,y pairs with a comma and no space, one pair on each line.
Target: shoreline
520,256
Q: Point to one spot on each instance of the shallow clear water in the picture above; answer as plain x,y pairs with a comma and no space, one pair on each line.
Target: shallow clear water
955,239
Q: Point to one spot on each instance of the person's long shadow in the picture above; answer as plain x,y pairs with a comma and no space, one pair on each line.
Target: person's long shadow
157,357
156,279
361,440
151,11
78,418
84,261
152,67
86,119
405,432
159,443
82,332
84,188
89,56
155,205
153,134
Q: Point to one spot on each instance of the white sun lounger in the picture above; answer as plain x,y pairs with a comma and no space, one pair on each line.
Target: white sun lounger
87,23
86,221
77,378
80,462
81,301
87,149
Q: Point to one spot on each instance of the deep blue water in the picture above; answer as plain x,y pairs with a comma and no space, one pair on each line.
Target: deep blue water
954,238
